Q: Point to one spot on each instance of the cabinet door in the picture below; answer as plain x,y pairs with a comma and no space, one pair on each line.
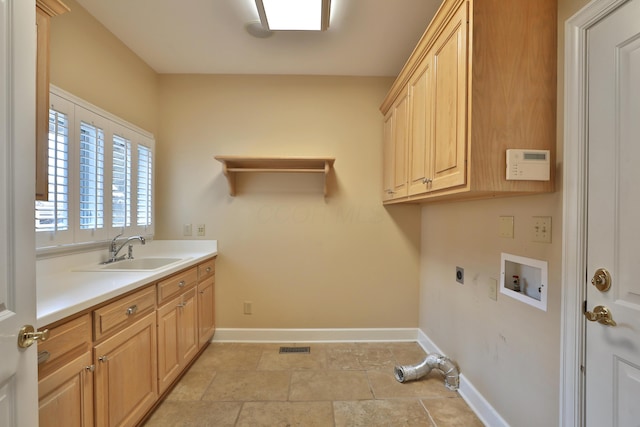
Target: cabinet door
67,394
206,311
168,349
400,145
188,323
396,149
177,336
126,374
387,157
420,129
450,103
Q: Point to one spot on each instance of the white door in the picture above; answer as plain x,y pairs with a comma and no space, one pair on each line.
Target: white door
613,223
18,369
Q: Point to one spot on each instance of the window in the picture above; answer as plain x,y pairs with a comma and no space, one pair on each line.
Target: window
121,189
100,176
91,177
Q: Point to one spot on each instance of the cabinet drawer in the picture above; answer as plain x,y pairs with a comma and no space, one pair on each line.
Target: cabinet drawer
123,311
175,284
206,269
65,342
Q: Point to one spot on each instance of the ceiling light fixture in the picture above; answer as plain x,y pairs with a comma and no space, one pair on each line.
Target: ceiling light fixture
294,15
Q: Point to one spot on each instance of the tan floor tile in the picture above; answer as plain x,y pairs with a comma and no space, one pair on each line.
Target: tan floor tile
452,413
329,385
274,360
408,353
385,386
228,357
375,357
248,386
192,385
308,414
195,414
372,413
343,358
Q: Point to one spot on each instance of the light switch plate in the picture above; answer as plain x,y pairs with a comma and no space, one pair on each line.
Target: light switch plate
186,230
505,228
541,229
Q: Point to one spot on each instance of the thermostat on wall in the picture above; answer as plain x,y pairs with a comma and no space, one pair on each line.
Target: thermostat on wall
528,165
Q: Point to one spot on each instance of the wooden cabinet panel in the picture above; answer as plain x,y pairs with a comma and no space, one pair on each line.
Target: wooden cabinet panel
206,269
421,129
65,342
450,93
176,284
206,311
124,311
396,146
177,336
67,394
126,376
45,10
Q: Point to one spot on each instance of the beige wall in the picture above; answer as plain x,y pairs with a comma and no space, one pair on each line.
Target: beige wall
508,350
304,262
90,62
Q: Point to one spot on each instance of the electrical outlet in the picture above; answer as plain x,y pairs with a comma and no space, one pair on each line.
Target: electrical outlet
201,230
248,307
541,229
493,289
186,230
460,275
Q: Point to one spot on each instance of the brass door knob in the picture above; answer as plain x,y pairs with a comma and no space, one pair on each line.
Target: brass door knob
600,314
28,335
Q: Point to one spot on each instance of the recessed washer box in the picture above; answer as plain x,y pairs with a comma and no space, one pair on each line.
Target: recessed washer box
524,279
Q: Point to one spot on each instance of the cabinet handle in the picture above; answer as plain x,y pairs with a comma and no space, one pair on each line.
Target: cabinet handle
90,368
181,283
103,359
43,356
132,310
208,270
427,180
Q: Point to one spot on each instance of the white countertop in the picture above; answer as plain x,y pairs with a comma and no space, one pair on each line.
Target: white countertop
62,291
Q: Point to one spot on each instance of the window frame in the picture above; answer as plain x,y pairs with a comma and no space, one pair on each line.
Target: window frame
77,111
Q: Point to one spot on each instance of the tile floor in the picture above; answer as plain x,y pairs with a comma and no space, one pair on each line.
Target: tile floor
234,384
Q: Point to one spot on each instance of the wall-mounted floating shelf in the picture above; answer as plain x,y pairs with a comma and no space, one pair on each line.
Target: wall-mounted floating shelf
240,164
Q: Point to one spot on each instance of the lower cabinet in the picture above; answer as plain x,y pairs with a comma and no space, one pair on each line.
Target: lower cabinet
67,394
109,365
177,336
206,313
126,374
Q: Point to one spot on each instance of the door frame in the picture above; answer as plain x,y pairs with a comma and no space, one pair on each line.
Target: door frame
574,242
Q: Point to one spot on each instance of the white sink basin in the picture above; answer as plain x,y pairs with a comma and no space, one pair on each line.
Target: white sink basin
136,264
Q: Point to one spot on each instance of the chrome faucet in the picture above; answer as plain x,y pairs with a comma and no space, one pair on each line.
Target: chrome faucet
114,249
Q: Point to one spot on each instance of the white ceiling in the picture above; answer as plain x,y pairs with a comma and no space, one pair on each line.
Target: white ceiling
365,37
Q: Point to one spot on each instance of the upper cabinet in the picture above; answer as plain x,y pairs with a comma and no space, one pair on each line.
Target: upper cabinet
481,80
45,9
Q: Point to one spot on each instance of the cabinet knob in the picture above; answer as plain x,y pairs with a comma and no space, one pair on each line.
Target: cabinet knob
103,359
132,310
43,356
208,270
181,284
90,368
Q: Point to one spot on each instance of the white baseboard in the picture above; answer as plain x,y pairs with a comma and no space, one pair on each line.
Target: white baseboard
314,335
483,409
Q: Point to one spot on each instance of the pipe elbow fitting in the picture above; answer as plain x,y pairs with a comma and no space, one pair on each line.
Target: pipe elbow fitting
404,373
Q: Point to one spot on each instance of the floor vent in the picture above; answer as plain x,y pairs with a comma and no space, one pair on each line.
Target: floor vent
295,349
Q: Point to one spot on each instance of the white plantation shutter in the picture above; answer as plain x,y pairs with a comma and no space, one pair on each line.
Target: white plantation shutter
100,176
145,187
91,176
53,215
121,187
